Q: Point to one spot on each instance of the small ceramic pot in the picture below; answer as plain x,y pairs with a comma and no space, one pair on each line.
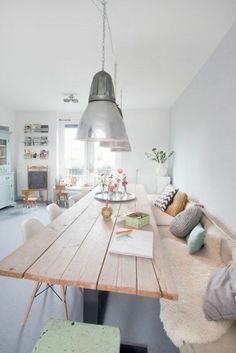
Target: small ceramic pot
106,213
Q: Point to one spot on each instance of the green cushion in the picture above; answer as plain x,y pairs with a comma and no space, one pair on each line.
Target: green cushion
195,239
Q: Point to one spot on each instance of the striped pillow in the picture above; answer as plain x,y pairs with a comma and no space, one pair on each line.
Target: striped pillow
166,197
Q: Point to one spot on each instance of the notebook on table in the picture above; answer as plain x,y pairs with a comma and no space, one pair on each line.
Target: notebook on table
139,243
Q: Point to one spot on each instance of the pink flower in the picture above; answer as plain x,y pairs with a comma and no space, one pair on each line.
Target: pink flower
111,188
120,170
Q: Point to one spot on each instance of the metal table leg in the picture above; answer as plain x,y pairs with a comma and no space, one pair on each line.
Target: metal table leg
94,312
94,306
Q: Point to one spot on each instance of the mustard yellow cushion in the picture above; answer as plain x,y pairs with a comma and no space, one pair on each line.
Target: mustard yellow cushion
178,204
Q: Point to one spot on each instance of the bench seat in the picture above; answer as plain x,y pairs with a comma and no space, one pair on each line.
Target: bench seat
184,320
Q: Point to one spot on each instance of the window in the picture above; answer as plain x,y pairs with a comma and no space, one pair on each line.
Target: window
105,161
74,156
82,162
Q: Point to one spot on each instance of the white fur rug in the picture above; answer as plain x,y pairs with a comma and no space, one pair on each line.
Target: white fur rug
184,319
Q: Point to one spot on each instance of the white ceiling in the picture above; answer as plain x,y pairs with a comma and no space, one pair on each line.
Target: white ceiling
52,47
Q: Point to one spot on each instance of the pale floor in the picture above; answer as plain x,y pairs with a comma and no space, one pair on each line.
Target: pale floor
137,317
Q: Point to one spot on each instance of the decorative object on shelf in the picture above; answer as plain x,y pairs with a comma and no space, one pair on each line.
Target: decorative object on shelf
106,211
31,154
102,120
137,219
160,157
29,128
70,98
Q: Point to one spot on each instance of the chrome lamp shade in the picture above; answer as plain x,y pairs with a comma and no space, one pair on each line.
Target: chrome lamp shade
102,120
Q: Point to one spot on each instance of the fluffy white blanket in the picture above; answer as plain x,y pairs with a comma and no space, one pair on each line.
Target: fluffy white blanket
184,319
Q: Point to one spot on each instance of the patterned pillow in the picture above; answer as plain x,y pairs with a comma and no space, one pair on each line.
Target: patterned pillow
166,197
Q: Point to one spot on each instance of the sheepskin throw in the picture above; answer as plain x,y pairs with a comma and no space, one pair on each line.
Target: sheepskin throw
184,320
185,221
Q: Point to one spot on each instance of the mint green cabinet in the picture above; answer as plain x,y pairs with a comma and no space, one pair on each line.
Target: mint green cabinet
6,176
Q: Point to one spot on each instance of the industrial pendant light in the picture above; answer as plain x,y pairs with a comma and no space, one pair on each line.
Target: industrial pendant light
116,146
102,120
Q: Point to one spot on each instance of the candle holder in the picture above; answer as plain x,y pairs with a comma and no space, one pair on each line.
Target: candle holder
106,213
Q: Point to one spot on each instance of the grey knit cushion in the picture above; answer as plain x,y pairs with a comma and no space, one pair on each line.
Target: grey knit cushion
185,221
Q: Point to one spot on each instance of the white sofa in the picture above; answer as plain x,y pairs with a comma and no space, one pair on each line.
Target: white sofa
184,320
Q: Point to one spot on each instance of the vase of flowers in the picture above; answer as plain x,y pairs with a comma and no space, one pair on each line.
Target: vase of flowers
111,184
118,180
102,182
124,183
161,169
160,157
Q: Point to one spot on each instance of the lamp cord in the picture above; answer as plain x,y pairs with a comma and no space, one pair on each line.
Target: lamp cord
103,33
108,25
115,77
105,20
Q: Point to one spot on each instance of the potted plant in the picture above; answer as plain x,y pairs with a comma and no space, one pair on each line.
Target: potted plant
160,157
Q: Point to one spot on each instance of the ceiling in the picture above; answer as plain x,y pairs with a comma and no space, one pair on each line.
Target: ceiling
52,47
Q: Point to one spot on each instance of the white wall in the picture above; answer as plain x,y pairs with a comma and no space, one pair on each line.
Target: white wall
7,118
43,117
146,129
203,134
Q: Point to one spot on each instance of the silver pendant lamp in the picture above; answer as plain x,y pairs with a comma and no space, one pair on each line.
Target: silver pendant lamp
102,120
121,146
117,146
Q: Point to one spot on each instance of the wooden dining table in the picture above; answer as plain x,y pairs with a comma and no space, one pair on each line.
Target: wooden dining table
73,250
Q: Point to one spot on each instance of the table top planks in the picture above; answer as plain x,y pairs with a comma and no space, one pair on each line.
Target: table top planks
74,250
